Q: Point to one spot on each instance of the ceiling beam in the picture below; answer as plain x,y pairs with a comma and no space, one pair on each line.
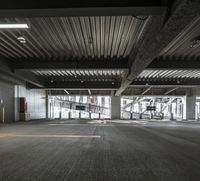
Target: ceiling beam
85,85
158,33
64,65
98,11
174,64
7,78
18,77
162,86
81,92
153,92
30,78
32,8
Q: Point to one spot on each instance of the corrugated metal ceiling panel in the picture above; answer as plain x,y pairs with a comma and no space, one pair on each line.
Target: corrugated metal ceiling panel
71,37
170,74
82,74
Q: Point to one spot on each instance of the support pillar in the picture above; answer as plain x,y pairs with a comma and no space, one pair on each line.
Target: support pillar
140,110
50,110
79,114
131,115
52,106
70,109
90,111
60,113
2,112
115,107
190,107
47,105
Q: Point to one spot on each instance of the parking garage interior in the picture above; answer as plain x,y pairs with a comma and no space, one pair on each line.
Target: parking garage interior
100,90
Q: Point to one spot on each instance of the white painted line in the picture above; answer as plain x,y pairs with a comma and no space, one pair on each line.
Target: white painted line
57,124
59,136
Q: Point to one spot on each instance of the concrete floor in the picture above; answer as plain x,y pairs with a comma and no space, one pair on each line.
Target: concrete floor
122,150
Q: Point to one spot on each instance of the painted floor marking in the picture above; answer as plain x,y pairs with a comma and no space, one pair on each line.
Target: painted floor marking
49,136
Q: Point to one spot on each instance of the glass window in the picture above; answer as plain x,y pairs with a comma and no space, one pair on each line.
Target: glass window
79,107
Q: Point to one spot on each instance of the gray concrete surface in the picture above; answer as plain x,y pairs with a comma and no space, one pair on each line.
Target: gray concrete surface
125,151
6,101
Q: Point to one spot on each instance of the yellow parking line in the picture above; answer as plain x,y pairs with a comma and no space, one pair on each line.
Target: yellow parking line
7,135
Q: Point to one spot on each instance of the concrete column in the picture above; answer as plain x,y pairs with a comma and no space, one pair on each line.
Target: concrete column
131,117
53,111
50,110
70,110
190,107
90,115
140,110
2,111
90,110
79,114
60,114
47,107
115,107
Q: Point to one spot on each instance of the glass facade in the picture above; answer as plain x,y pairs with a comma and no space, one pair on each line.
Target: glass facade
132,107
79,107
152,107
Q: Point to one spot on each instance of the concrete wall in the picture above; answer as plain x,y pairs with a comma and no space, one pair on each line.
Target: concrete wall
35,101
6,102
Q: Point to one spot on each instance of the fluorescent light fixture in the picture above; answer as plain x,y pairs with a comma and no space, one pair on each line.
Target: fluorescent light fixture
13,26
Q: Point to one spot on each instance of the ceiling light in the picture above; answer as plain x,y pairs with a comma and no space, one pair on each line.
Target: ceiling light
13,26
21,39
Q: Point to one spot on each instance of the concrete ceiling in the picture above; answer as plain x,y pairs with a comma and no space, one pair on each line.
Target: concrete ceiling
69,38
104,47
